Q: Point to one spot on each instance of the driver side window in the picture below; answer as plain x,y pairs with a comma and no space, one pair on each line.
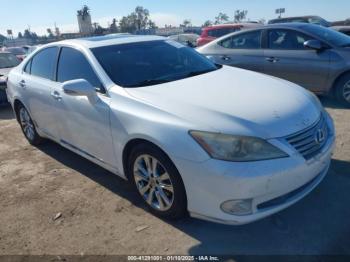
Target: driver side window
72,65
287,39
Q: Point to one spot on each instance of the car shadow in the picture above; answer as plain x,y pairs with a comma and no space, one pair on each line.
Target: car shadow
94,172
318,224
6,113
331,102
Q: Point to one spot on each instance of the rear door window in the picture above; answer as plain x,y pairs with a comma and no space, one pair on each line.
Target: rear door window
250,40
44,63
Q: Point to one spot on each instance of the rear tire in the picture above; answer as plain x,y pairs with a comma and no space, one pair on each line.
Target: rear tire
157,181
28,127
342,90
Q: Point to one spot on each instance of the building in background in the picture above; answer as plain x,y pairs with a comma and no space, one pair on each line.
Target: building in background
84,21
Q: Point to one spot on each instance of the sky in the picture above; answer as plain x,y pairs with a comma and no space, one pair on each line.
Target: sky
38,15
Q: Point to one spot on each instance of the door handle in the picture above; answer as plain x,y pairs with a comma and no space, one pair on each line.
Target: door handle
272,59
22,84
225,58
56,95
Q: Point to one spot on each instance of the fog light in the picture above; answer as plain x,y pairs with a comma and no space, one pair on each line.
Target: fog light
237,207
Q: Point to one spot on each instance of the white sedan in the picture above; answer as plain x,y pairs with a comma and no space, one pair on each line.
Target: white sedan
220,143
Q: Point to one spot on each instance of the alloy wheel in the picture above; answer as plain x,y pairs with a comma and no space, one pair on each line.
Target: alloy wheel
27,124
346,91
153,182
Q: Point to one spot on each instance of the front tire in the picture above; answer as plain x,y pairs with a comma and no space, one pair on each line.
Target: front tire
342,90
157,181
28,127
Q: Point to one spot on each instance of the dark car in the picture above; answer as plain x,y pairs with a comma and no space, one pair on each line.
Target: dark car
7,62
312,56
345,29
311,19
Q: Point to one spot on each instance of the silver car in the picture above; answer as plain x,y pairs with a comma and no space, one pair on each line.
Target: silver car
312,56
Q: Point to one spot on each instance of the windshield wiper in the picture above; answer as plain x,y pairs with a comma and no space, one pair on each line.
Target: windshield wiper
149,82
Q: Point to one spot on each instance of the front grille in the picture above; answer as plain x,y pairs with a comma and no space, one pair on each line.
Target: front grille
309,142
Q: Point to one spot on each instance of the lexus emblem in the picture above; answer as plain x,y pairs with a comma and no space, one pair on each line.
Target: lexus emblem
320,136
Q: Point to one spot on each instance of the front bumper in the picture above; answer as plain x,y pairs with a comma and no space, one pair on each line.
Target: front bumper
272,185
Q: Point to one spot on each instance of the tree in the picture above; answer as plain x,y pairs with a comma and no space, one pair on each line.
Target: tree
137,20
240,15
151,25
49,31
207,23
57,31
84,12
186,23
20,35
128,23
113,28
99,30
142,16
221,18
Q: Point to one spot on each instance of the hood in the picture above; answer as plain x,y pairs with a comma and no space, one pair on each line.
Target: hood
235,101
5,71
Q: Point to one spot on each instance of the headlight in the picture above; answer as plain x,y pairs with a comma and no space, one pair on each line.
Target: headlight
236,148
3,78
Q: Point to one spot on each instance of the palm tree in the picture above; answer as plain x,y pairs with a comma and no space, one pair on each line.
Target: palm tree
84,12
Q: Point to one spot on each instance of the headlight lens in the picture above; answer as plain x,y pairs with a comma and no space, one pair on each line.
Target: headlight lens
236,148
3,78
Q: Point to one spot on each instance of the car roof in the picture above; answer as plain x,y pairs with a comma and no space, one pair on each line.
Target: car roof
291,25
111,39
294,17
212,27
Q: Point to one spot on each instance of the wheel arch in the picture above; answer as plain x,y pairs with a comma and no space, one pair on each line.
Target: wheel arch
337,79
132,144
16,104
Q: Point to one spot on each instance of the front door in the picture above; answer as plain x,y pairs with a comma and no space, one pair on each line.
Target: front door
287,58
84,125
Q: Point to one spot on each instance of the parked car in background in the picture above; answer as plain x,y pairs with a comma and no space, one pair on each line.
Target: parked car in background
212,32
311,19
19,52
185,39
345,29
312,56
7,62
30,48
190,135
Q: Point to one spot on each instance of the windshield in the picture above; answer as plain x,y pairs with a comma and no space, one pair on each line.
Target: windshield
8,60
151,63
331,36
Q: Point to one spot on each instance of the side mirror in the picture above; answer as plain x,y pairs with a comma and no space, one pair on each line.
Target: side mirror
314,44
80,87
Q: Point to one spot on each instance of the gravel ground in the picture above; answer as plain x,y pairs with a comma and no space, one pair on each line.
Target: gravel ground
55,202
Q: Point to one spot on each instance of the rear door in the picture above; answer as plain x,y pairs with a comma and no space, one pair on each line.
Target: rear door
242,50
287,58
35,84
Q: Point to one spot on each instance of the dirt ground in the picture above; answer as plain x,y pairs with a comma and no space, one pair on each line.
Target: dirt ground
55,202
